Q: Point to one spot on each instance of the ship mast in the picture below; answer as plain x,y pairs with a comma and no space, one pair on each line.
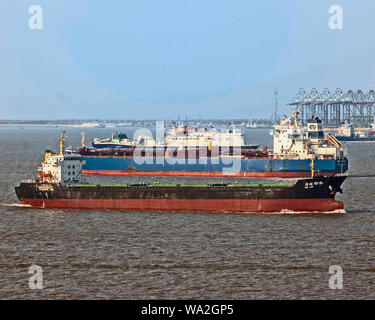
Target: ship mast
62,141
295,116
83,140
312,167
276,105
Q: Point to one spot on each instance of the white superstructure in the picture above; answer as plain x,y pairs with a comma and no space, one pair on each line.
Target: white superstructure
346,130
183,137
65,168
291,141
179,137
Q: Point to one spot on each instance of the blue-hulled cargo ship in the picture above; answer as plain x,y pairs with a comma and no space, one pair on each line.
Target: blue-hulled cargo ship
211,167
295,151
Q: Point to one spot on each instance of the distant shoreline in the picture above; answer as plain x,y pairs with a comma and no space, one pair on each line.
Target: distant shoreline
97,123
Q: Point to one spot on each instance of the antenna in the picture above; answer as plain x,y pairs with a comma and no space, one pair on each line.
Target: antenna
276,106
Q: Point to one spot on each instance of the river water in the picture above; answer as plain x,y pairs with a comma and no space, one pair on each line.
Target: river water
145,255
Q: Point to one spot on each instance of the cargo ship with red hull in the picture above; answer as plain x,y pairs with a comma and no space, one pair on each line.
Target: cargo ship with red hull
306,195
61,185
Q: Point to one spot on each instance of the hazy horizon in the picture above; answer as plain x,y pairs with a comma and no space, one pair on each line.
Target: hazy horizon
164,59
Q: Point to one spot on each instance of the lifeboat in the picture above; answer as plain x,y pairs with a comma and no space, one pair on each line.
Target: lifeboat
45,175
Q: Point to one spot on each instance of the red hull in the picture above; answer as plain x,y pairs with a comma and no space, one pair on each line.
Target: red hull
191,205
202,174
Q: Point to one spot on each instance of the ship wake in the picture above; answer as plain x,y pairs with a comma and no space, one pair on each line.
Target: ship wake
285,211
17,205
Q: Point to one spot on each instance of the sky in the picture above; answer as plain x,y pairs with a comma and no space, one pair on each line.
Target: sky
161,59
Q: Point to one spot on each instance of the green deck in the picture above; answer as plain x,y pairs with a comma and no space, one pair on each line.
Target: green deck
255,185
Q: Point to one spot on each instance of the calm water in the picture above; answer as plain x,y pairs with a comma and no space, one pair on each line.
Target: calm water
134,255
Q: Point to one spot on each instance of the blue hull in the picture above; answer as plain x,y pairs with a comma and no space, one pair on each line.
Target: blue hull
211,166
